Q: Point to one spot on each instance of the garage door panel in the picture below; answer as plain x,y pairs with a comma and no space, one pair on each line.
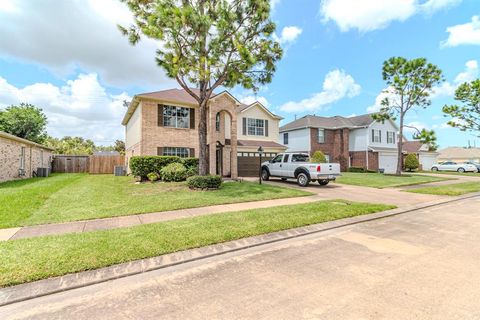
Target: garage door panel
388,162
250,166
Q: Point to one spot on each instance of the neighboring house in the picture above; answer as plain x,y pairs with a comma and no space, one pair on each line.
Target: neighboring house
19,158
353,142
425,157
459,154
166,123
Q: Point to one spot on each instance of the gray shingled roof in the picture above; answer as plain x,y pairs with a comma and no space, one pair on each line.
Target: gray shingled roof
329,122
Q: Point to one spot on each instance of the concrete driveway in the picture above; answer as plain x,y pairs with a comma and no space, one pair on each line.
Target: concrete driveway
419,265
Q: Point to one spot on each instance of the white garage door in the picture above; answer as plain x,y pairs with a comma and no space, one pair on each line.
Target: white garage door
388,162
427,161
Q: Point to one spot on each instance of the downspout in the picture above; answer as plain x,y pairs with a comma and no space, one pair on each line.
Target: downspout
366,147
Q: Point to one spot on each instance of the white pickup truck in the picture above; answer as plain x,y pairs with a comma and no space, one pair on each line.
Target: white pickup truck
297,166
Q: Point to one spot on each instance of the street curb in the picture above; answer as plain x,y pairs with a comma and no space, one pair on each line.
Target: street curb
28,291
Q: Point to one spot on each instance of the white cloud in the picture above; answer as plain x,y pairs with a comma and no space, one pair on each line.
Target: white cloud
463,34
413,126
81,107
249,99
447,89
376,14
386,93
337,85
288,35
273,4
65,35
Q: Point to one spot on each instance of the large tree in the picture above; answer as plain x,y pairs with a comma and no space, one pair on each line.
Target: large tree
410,84
207,44
71,145
24,121
466,117
428,137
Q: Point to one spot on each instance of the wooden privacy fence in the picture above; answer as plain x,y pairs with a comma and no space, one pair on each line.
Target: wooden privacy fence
86,164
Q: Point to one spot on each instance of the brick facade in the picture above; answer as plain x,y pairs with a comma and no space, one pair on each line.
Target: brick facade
359,159
335,145
10,154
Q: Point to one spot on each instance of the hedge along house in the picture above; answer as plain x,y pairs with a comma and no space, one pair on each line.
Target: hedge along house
21,158
165,123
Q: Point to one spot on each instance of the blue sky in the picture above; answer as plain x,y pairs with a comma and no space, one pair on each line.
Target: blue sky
72,62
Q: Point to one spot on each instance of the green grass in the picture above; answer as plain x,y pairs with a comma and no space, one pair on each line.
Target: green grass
33,259
71,197
378,180
450,190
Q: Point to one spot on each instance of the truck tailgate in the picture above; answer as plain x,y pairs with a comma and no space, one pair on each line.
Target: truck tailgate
330,168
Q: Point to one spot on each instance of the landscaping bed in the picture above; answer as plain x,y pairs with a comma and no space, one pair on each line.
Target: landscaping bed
378,180
456,189
72,197
33,259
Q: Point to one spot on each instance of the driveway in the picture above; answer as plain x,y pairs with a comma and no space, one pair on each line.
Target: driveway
419,265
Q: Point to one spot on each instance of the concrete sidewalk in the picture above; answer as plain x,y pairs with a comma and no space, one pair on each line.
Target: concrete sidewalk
139,219
394,196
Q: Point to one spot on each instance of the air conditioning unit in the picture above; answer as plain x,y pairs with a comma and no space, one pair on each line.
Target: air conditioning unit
120,171
43,172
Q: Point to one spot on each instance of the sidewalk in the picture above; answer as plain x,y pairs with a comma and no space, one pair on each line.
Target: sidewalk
392,196
139,219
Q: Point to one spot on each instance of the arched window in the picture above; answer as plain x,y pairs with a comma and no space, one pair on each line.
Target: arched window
217,121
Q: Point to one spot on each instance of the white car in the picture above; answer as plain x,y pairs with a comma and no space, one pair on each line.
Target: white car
298,166
454,166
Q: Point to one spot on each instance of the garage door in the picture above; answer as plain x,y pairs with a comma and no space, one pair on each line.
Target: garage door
427,161
249,163
388,162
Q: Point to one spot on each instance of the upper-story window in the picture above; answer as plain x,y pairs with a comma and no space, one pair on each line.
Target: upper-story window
376,136
390,137
255,127
285,138
217,122
321,136
176,117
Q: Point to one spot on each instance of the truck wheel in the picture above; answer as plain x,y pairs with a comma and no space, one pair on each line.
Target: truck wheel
323,182
302,179
265,175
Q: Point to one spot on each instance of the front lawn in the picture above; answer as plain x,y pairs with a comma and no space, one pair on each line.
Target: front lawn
33,259
455,173
450,190
71,197
378,180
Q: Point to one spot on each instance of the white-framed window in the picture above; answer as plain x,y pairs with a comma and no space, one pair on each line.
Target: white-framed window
255,127
376,136
217,122
176,117
174,151
22,158
285,138
321,136
391,137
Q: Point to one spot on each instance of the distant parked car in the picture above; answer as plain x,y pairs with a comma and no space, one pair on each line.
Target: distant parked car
476,164
453,166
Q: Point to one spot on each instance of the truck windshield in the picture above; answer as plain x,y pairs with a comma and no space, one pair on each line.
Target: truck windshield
300,158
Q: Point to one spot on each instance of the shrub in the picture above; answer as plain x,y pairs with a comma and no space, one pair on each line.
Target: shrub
189,162
356,169
153,176
143,165
318,157
173,172
192,171
411,162
204,182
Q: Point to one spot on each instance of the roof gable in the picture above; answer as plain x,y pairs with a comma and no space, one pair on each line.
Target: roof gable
256,104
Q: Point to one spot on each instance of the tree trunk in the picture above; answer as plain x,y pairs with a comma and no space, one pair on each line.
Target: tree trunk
202,138
400,147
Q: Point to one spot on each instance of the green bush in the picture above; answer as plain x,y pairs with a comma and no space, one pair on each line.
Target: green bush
360,170
153,176
411,162
173,172
141,166
204,182
189,162
318,157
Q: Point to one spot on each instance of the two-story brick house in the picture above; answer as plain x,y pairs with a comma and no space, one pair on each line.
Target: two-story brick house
351,141
166,123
